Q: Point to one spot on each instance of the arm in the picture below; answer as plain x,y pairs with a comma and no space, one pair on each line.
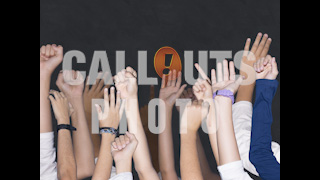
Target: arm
230,167
83,146
50,58
66,161
109,118
169,93
261,154
122,152
259,50
190,124
126,83
205,168
95,92
203,90
151,137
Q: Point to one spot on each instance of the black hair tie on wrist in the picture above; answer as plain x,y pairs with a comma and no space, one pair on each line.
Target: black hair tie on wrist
66,126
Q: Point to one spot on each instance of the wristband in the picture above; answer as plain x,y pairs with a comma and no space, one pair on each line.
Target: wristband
108,130
66,126
226,93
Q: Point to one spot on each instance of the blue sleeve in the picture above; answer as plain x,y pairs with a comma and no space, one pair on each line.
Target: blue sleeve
261,155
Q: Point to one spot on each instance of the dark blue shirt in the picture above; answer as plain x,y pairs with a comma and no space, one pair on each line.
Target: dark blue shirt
261,155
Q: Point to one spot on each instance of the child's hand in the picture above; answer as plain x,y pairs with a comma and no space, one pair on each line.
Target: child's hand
123,147
226,78
50,57
171,90
110,117
193,115
95,92
71,91
61,107
126,82
266,68
202,89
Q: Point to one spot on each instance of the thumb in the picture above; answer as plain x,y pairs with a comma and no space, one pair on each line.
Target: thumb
274,65
182,88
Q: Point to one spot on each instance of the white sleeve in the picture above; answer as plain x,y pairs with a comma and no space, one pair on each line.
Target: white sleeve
233,171
48,165
123,176
242,121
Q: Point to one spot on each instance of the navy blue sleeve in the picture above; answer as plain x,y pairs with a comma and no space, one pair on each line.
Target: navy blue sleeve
261,155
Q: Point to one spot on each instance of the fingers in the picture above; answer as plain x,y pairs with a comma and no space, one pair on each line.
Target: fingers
163,83
99,111
266,48
132,71
220,74
122,141
262,45
201,71
169,79
225,71
247,47
274,66
179,80
232,71
112,98
256,43
213,77
180,91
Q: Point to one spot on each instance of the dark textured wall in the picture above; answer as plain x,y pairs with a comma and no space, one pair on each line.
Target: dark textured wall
149,25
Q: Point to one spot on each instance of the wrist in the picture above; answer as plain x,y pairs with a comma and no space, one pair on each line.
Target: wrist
123,165
63,121
190,135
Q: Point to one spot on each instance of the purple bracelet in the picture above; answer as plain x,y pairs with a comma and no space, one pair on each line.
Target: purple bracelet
225,93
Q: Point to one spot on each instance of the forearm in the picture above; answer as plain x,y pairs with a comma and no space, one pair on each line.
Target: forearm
45,110
66,161
104,164
245,92
83,146
96,140
227,144
205,168
189,161
166,150
261,154
213,129
141,157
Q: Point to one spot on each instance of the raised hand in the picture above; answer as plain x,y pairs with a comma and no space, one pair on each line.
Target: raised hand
71,91
171,90
193,115
259,49
126,83
202,89
61,108
110,117
266,68
95,92
50,57
124,146
226,78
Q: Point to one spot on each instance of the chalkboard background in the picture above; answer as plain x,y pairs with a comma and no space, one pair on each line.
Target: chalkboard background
130,26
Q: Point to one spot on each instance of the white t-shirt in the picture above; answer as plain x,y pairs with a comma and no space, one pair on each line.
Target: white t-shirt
242,121
233,171
48,165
